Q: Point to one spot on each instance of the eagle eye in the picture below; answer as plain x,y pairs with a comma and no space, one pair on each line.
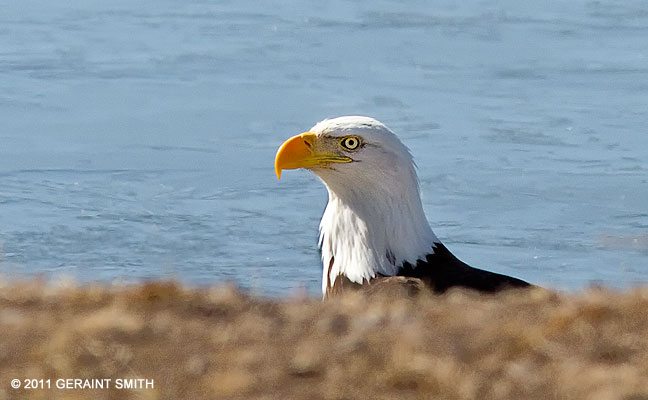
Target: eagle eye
350,142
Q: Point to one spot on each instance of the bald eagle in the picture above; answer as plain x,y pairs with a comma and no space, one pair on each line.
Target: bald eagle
374,225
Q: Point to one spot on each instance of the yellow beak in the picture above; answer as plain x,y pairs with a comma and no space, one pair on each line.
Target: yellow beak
304,151
296,152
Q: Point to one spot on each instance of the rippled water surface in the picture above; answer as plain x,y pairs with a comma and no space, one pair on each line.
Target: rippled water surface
137,138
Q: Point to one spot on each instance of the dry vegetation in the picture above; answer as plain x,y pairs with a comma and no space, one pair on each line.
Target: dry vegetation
221,343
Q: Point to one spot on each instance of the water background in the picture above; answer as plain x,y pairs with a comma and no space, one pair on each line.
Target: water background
137,138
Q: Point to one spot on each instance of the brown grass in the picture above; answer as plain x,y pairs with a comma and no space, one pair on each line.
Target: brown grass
221,343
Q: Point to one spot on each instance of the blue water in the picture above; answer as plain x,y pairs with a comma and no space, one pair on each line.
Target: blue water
137,138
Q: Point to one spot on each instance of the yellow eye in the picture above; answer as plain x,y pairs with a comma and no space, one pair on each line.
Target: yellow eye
350,142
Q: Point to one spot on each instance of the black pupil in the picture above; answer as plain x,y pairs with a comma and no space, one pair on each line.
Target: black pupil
351,143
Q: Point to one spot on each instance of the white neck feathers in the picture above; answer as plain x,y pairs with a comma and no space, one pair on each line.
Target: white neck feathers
372,227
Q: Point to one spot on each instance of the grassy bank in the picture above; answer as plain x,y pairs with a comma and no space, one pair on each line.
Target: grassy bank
221,343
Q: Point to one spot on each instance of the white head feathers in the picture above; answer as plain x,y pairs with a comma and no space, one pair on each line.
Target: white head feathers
374,220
